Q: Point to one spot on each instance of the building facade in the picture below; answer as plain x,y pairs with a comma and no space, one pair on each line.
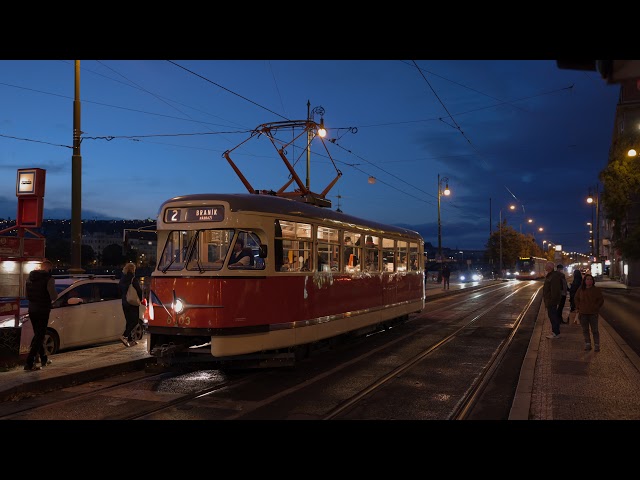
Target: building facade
627,118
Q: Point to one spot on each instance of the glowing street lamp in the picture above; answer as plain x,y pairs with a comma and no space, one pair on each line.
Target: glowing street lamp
441,192
594,200
511,207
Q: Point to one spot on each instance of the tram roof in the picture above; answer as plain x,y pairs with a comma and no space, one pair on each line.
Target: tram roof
272,204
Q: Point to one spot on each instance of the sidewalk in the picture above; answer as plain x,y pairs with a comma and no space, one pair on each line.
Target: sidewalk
72,367
561,381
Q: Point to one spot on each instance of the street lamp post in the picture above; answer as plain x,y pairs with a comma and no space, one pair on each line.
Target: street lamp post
595,199
511,207
441,192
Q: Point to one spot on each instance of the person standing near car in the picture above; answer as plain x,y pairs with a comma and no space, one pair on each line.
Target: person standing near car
41,292
131,312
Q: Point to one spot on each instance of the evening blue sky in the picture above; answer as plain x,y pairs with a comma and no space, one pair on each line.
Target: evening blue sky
501,131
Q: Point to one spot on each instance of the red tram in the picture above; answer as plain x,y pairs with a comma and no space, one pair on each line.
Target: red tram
303,274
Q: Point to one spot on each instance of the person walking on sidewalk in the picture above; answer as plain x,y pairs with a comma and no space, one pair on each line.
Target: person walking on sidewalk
131,312
551,293
41,291
575,284
589,300
446,273
565,289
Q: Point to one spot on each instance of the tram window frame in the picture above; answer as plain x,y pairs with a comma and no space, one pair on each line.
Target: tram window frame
372,254
176,250
328,246
402,247
250,243
389,255
210,248
297,245
414,255
351,263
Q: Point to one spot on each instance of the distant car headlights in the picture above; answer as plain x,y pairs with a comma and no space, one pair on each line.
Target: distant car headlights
470,277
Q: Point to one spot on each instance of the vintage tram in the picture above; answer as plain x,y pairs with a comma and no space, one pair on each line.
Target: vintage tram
309,274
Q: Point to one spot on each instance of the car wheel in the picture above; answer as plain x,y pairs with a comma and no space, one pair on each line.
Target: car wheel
51,342
138,332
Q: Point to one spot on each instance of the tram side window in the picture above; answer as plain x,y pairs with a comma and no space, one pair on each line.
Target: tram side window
413,257
296,244
328,248
246,257
351,252
371,254
403,256
388,255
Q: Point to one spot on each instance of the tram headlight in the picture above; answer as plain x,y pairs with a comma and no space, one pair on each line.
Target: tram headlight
178,306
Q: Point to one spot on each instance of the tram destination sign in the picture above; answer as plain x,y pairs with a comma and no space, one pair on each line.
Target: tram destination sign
213,213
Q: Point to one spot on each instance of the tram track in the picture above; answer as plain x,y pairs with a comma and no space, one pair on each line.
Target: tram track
342,384
466,402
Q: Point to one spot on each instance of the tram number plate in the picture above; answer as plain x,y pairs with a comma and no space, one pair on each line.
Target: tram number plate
194,214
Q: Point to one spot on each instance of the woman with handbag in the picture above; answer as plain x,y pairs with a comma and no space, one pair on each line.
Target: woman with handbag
589,301
131,293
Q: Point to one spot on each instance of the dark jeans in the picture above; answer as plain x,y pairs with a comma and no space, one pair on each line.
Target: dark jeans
572,301
39,321
131,319
554,318
445,283
563,299
587,321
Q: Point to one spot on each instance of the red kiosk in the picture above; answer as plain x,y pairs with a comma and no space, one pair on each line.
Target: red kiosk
19,254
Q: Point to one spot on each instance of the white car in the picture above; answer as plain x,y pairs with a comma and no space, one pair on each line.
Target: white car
470,276
88,311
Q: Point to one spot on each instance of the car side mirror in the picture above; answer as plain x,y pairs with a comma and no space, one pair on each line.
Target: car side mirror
74,301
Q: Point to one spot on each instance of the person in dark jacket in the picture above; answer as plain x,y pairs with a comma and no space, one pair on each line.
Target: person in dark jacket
575,284
565,290
551,293
446,273
131,312
589,301
41,291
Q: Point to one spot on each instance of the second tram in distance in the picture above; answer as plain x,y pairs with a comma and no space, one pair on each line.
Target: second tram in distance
243,274
530,268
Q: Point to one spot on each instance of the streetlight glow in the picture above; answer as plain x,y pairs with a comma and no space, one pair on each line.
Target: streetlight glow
511,207
446,192
594,201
